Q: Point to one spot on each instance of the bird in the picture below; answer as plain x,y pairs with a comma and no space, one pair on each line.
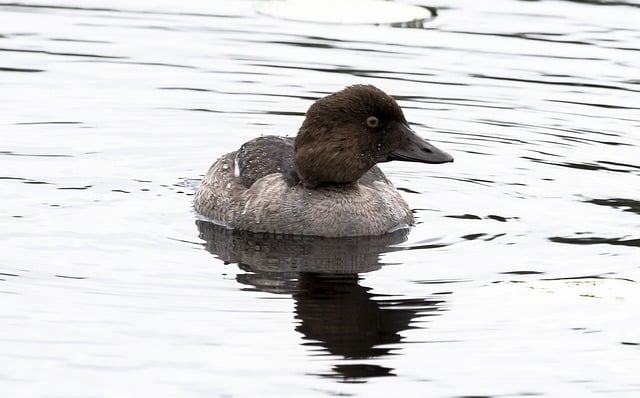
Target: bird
324,181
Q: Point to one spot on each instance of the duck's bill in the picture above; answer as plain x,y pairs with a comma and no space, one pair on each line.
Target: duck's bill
414,148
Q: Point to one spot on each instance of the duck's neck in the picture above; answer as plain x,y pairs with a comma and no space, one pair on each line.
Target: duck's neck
293,178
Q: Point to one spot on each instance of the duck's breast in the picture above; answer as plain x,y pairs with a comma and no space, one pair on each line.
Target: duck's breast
272,205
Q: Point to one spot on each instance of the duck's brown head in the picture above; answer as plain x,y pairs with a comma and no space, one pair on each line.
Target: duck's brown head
344,134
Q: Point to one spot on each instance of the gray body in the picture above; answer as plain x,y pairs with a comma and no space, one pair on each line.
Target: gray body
268,201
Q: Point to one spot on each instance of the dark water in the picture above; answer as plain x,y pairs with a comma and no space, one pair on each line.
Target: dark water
520,278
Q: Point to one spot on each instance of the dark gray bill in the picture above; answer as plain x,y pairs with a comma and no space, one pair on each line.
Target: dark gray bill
414,148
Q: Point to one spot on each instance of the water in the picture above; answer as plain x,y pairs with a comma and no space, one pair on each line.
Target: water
519,279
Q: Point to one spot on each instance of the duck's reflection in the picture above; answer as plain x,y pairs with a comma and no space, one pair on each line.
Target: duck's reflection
345,318
336,313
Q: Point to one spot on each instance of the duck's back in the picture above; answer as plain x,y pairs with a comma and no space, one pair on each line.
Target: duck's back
253,189
263,156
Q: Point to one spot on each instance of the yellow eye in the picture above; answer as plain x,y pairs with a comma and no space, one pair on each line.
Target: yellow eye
373,121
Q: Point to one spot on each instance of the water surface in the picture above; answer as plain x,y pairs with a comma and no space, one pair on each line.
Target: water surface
519,279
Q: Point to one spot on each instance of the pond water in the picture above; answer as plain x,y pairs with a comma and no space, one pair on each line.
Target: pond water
519,279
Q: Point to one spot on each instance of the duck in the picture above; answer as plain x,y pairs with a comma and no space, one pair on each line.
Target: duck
324,181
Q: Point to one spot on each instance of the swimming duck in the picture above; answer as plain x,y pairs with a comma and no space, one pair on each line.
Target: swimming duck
324,181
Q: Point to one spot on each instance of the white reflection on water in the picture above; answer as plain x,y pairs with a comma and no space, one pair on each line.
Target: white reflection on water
520,277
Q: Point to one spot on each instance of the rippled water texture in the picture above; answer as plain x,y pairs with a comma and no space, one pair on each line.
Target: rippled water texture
520,278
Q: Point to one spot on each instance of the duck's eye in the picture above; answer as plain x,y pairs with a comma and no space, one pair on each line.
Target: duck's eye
373,121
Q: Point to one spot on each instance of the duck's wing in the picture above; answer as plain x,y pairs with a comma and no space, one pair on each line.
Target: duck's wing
263,156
